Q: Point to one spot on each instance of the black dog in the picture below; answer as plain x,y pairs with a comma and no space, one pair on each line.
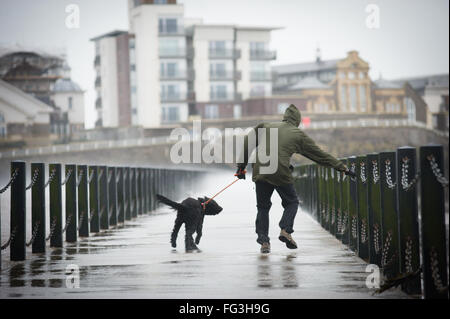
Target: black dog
191,213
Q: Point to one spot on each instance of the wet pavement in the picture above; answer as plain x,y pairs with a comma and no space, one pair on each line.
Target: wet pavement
136,261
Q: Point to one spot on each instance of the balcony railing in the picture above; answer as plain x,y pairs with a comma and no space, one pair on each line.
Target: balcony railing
262,55
172,53
224,54
188,75
171,31
221,96
225,75
98,82
260,76
97,60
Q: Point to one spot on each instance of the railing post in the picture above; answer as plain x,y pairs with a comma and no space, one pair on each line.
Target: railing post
94,200
104,198
112,190
434,251
337,202
38,208
145,190
322,196
134,211
120,195
128,197
141,191
18,211
363,211
408,217
71,203
149,190
375,209
390,254
353,206
331,204
83,200
345,193
55,207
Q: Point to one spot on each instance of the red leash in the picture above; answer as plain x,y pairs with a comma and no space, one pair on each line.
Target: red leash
206,203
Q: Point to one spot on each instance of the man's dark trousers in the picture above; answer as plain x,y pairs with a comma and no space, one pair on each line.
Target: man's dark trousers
289,200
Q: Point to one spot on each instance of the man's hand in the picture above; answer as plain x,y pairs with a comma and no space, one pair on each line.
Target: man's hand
240,173
349,172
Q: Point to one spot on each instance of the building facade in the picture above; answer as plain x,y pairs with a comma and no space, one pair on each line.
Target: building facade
344,87
113,66
180,68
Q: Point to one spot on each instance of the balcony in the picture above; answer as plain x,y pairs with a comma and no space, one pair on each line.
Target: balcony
98,82
260,76
97,61
184,75
172,52
262,55
221,96
224,54
171,31
225,75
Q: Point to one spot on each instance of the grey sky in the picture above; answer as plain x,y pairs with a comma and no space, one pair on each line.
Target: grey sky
413,38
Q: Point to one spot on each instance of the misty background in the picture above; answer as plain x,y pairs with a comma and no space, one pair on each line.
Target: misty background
413,38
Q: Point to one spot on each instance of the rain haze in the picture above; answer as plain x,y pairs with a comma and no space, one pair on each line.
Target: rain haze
412,40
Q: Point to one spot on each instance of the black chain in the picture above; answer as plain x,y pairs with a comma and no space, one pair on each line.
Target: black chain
52,229
34,233
34,178
10,240
80,177
69,219
69,173
51,177
13,177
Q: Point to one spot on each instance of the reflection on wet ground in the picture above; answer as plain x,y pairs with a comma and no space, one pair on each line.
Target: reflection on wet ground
136,261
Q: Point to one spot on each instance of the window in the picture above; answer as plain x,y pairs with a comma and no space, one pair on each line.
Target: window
351,75
218,48
257,90
170,114
160,1
410,108
362,75
70,102
392,107
211,111
217,70
353,102
362,98
321,107
257,49
282,107
237,111
343,98
169,46
342,75
169,69
258,70
168,25
218,92
170,91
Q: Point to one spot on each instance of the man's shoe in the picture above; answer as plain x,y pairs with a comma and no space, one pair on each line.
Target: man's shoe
265,248
286,238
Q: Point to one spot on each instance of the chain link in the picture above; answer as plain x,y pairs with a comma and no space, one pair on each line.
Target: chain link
91,176
363,172
52,228
376,238
385,253
408,255
80,177
80,222
69,219
69,173
51,177
375,174
363,231
34,233
434,263
10,240
92,215
11,181
437,171
389,182
33,178
344,222
354,227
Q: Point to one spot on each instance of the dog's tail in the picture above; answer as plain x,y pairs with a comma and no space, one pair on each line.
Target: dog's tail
168,202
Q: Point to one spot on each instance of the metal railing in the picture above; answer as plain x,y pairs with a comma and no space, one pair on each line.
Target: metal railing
96,198
376,213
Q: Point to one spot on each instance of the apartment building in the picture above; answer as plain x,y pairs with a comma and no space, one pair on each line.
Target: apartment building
115,78
185,69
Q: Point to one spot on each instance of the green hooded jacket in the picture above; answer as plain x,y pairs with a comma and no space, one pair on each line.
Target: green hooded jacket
290,140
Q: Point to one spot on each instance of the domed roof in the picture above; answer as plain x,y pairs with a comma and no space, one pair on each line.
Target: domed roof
385,84
309,82
66,85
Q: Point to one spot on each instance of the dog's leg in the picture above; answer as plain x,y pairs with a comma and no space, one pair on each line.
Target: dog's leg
199,230
176,228
189,241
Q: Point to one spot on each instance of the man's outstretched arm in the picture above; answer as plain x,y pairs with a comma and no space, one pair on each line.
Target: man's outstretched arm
309,149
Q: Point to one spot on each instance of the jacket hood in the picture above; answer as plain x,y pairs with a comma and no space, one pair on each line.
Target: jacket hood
292,115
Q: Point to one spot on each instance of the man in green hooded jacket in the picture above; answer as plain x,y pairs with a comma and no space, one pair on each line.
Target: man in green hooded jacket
290,140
